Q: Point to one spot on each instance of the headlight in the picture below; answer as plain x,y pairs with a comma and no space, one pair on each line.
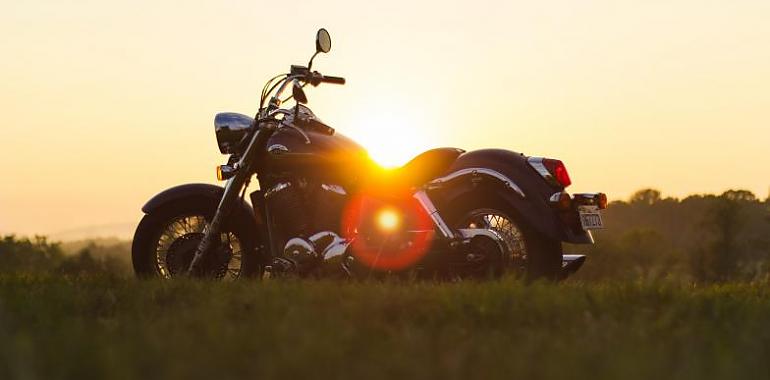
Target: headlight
231,129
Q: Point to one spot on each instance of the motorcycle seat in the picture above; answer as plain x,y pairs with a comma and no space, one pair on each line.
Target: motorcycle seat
419,170
427,165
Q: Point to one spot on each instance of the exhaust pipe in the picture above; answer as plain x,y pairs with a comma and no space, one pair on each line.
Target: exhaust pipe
570,264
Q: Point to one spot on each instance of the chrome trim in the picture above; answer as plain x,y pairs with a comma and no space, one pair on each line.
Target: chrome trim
537,164
571,263
467,233
299,247
470,233
476,172
334,188
422,197
278,187
337,247
230,129
277,149
555,197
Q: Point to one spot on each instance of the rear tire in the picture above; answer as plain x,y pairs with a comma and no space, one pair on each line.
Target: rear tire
145,252
543,255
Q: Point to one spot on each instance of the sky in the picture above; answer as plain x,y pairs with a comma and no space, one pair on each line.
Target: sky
105,103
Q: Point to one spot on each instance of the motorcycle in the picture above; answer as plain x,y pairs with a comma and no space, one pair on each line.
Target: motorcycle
324,208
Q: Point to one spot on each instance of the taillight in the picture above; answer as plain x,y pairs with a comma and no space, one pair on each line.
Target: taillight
552,170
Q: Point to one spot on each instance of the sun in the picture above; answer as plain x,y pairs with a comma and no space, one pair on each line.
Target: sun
391,140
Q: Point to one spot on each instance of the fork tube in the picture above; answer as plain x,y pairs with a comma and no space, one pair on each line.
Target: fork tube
232,189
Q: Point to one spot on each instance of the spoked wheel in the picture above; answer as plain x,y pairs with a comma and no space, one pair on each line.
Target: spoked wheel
178,242
167,238
526,253
514,255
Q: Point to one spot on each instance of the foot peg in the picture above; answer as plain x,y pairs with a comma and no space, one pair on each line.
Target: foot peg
570,264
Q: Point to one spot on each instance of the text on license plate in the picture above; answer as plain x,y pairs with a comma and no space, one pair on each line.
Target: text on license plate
591,220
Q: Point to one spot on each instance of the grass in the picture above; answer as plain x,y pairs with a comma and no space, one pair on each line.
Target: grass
127,329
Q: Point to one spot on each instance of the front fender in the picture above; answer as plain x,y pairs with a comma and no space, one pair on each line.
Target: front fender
517,183
197,192
202,191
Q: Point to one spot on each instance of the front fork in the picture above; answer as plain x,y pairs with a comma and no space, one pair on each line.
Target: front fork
244,170
232,189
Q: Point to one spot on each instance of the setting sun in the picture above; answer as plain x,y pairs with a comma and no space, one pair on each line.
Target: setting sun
390,138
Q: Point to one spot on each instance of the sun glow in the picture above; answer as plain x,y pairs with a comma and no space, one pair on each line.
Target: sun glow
390,139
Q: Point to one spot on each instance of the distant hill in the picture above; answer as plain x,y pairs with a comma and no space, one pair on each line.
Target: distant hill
97,246
117,231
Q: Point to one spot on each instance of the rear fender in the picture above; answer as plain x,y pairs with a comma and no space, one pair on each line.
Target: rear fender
511,178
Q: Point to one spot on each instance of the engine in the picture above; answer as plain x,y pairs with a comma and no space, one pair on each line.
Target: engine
302,207
306,216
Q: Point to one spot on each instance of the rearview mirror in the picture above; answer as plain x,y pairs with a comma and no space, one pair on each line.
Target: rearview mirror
323,42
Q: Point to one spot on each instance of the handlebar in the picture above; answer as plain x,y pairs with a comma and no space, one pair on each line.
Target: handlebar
298,73
332,80
315,78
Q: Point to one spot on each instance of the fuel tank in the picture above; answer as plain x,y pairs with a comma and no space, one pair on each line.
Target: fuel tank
317,151
332,145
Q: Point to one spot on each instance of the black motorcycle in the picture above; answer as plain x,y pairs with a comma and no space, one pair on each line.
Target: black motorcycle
324,208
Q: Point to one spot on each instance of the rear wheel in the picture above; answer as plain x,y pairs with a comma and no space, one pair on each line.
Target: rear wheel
526,252
167,238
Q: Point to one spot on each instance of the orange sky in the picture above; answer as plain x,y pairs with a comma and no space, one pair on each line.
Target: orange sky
107,102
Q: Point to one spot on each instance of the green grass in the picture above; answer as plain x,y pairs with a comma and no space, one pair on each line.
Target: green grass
118,328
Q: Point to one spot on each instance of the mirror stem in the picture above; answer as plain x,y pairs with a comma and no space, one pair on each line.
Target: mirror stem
310,64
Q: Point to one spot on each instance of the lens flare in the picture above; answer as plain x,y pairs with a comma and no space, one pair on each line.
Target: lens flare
409,229
388,219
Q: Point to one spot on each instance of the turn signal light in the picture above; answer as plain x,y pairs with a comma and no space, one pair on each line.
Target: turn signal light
591,199
225,172
601,201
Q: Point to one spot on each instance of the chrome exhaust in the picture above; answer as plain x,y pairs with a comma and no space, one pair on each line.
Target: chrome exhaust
570,264
321,249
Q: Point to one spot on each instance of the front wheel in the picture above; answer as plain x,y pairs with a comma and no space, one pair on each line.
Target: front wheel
526,252
166,240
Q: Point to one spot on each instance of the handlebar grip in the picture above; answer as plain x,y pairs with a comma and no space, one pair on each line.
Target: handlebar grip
333,80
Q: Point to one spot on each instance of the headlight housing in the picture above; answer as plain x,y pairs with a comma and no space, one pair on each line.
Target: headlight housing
231,130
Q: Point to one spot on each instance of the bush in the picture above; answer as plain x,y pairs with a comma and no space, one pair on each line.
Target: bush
38,256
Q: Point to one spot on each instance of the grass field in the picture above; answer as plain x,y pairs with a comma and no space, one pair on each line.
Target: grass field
119,328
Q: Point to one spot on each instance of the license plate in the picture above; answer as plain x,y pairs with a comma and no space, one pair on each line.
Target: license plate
590,218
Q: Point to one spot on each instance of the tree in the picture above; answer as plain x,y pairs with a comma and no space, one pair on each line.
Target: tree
646,197
718,259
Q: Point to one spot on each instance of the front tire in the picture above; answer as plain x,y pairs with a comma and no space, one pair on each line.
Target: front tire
166,238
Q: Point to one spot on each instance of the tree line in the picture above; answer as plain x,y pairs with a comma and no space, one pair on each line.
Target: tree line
701,238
